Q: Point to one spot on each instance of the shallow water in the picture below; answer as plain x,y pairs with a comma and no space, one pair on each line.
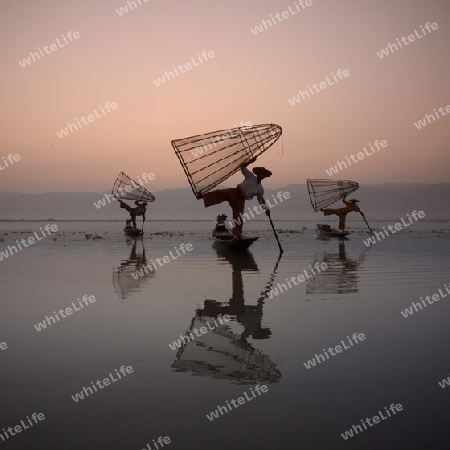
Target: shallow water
266,342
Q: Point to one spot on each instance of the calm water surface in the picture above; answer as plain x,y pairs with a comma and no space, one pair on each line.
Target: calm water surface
266,342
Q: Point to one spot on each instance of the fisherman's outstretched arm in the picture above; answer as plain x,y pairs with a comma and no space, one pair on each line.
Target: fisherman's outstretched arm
244,169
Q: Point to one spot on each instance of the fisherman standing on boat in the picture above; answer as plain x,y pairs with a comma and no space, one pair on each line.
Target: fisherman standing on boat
249,188
141,208
349,207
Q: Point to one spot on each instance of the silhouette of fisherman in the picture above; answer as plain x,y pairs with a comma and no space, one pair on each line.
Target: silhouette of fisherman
350,206
249,188
139,210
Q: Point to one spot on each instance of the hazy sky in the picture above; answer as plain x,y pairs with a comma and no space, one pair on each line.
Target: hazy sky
116,58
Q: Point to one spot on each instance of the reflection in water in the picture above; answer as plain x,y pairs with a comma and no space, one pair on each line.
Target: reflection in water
341,277
222,353
123,281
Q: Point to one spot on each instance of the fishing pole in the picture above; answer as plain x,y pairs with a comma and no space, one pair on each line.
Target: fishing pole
364,217
276,235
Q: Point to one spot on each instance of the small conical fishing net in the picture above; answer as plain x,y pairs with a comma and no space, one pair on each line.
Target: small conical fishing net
323,193
127,189
211,158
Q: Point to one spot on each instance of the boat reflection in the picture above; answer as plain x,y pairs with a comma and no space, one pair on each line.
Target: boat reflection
224,353
341,277
123,281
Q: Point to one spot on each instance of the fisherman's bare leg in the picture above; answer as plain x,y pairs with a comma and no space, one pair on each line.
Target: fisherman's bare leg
238,210
342,222
133,218
219,196
328,212
125,206
235,199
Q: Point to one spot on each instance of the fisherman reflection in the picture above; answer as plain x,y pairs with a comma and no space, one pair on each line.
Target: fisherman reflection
249,316
223,353
124,282
341,277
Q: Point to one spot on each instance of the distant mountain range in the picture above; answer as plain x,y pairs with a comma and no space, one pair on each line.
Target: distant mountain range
381,201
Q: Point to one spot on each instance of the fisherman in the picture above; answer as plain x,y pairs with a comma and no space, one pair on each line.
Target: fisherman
342,212
249,188
139,210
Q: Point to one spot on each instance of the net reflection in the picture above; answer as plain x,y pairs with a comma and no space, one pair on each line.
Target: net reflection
123,281
341,277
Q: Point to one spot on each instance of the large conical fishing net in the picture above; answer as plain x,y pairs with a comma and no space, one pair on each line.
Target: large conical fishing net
323,193
211,158
127,189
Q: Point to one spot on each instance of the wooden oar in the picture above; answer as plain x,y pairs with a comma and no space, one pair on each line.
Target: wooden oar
276,235
364,217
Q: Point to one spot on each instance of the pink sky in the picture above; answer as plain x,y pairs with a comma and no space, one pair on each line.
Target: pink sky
250,78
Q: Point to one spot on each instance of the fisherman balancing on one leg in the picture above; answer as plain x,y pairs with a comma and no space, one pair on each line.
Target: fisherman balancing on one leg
249,188
342,212
139,210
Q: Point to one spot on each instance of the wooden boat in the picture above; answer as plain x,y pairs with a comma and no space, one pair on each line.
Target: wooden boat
223,236
130,231
326,230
